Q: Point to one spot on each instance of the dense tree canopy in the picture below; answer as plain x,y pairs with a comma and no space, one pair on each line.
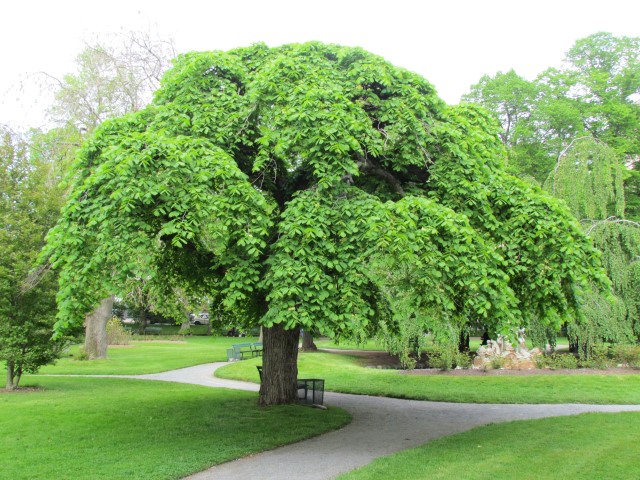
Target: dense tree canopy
319,187
29,203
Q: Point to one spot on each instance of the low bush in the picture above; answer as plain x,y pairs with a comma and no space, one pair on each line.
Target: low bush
462,360
440,357
628,355
557,361
599,357
117,334
497,362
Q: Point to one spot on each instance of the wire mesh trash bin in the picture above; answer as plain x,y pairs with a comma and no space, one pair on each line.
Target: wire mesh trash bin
311,391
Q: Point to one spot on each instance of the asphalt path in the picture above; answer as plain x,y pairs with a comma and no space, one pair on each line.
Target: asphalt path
380,426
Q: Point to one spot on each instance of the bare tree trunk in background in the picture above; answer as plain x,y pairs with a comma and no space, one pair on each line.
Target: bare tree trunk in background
185,326
464,342
280,366
143,321
95,341
10,385
261,339
307,342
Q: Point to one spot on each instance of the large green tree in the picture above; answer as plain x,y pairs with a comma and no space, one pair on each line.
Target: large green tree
318,187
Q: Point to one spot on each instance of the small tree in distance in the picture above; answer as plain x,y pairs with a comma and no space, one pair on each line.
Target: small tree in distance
318,187
29,202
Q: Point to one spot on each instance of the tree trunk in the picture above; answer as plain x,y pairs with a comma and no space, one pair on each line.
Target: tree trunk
279,366
143,321
464,342
185,327
95,341
307,342
17,375
10,366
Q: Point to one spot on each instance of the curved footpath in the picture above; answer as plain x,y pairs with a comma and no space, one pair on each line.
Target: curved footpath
380,426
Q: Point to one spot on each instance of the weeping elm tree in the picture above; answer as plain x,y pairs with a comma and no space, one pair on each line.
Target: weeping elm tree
315,187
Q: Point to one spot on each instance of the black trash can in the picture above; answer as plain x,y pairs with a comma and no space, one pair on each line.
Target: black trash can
311,391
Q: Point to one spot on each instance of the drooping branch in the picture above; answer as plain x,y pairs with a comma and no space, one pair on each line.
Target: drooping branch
560,157
609,220
366,165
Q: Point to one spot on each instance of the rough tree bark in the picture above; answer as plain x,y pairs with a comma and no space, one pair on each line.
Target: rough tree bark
279,366
307,342
10,385
95,341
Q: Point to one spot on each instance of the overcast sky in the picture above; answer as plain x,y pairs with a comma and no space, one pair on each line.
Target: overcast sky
452,43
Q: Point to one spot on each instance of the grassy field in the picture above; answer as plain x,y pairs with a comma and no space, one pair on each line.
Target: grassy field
583,447
148,356
345,373
132,429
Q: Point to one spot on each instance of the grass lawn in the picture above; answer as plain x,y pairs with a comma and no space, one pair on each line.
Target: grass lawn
583,447
344,373
148,357
132,429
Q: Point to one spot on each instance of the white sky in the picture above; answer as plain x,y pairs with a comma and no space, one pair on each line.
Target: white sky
452,43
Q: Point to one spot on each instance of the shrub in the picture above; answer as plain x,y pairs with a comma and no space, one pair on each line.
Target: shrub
440,356
627,355
117,334
462,360
599,358
497,362
557,361
81,355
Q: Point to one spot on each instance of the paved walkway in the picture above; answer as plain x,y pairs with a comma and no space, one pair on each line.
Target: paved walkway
380,426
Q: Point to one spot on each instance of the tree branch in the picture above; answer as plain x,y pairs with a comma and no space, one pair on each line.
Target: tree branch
366,165
608,220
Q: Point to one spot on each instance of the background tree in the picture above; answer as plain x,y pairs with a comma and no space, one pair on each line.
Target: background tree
596,93
116,75
286,180
29,204
589,177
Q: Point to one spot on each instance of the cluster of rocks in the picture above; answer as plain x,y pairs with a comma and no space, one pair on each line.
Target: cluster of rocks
501,352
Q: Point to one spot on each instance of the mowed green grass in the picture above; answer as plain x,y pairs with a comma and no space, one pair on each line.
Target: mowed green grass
345,373
584,447
104,428
141,357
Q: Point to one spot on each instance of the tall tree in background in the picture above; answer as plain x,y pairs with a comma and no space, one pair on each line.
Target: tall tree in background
588,176
595,93
29,203
513,101
115,76
306,185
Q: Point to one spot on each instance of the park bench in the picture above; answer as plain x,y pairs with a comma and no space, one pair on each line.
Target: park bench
310,390
241,351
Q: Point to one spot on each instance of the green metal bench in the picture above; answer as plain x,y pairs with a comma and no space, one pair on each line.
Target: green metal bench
241,351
